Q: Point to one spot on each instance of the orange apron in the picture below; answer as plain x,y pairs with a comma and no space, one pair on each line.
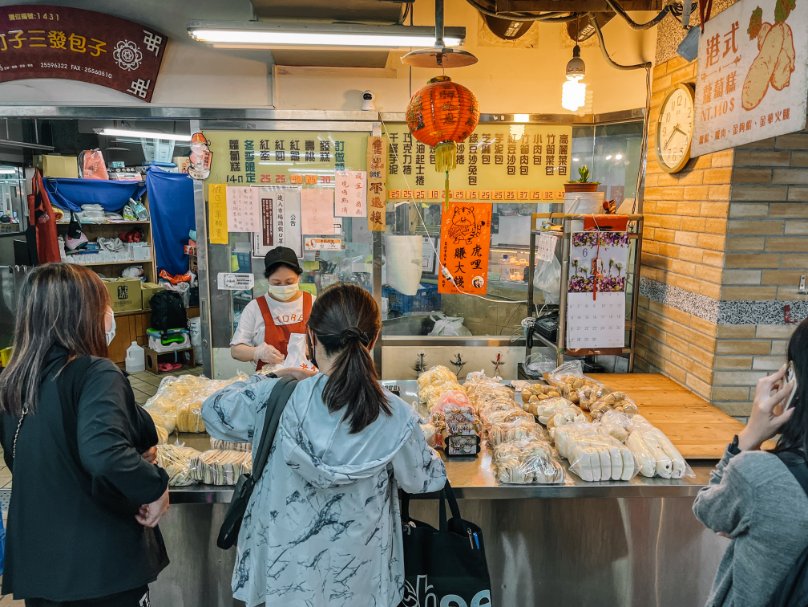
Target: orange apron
278,335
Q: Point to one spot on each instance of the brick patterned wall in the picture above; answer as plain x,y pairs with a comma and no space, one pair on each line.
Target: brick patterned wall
767,251
686,218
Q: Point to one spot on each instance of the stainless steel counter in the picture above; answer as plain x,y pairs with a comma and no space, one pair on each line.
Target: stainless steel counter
609,544
473,479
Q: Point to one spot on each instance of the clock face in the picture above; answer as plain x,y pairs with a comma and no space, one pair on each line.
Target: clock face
675,129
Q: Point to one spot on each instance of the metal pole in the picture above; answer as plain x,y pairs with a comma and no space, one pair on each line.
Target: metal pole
562,287
635,295
377,293
439,24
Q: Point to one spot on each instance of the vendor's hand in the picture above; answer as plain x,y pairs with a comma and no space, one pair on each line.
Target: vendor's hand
150,455
770,395
150,514
297,372
268,354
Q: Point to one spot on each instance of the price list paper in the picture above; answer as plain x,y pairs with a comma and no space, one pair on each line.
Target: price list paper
351,194
243,210
317,212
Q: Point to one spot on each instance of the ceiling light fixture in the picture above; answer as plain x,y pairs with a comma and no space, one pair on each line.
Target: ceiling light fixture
440,56
283,35
573,92
111,132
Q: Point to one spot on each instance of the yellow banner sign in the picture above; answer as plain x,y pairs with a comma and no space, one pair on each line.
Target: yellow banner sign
498,162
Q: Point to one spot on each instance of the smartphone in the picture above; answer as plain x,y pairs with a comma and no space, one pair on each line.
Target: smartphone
790,376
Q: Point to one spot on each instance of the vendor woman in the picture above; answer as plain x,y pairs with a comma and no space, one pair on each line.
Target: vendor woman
267,322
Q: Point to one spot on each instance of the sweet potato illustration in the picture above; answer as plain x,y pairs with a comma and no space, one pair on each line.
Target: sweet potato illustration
781,77
764,29
760,72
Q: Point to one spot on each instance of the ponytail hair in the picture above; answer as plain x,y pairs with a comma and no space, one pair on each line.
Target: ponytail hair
346,321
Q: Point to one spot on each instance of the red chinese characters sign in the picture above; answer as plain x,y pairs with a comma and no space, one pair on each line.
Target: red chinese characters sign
465,241
39,41
377,176
752,74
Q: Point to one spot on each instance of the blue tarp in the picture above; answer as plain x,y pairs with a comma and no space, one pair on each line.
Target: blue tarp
171,202
70,194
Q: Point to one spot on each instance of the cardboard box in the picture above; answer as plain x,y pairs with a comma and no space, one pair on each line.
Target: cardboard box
147,291
57,166
124,294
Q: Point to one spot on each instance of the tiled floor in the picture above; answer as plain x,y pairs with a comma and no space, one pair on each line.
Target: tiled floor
144,385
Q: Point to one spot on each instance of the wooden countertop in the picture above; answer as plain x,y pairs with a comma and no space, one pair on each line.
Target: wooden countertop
698,429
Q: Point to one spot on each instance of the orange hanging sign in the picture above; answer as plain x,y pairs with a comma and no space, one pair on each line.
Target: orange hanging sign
465,242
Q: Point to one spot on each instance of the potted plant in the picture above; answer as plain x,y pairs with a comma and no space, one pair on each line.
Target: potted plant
582,184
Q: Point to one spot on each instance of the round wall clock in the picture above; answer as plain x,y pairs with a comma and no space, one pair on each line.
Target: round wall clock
675,127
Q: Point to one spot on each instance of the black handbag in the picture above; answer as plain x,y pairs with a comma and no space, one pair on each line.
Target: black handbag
444,566
228,534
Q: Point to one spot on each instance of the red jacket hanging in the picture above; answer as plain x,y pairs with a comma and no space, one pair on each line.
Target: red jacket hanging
42,218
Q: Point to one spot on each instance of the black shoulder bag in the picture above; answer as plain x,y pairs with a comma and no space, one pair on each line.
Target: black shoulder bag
793,590
444,562
228,534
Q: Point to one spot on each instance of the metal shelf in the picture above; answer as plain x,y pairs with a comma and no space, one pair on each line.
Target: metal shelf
127,262
564,221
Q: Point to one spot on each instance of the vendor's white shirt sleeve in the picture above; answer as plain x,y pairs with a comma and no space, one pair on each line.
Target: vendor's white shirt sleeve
251,326
250,330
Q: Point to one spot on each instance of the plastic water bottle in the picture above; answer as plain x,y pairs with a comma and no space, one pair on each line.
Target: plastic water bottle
135,358
200,158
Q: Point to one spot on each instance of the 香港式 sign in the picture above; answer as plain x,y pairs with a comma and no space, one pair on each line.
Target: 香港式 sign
752,74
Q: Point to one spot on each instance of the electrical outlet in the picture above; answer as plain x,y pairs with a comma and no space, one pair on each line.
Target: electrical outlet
802,284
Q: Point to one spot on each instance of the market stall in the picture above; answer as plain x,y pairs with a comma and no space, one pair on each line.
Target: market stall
621,542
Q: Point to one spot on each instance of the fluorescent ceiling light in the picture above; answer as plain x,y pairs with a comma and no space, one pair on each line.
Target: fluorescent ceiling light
281,35
143,134
6,171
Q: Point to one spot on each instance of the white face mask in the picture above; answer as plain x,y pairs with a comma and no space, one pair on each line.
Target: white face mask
283,292
110,335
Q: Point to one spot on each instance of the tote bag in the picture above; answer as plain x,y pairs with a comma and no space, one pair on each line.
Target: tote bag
444,567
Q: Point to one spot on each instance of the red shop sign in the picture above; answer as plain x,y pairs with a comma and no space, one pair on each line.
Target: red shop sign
41,41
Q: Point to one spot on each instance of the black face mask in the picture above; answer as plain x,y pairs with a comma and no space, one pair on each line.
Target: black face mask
310,345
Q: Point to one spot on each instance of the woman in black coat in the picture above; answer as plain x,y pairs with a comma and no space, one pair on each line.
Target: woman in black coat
86,496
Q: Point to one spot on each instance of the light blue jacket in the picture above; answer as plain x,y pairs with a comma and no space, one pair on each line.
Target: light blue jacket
322,528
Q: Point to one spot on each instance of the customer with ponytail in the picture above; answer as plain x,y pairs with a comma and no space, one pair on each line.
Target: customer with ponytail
322,527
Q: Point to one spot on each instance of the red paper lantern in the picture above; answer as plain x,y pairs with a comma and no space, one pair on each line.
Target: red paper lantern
443,114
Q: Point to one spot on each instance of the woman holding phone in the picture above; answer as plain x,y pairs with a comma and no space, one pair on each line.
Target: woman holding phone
754,497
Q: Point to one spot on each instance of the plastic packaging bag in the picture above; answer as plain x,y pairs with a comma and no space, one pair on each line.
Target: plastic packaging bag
486,392
434,382
547,279
296,357
162,434
176,461
574,385
527,461
224,445
548,411
532,393
537,364
593,455
217,467
655,453
177,404
448,326
614,401
517,429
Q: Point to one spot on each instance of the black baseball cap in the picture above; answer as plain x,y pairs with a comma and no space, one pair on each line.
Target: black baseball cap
281,256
